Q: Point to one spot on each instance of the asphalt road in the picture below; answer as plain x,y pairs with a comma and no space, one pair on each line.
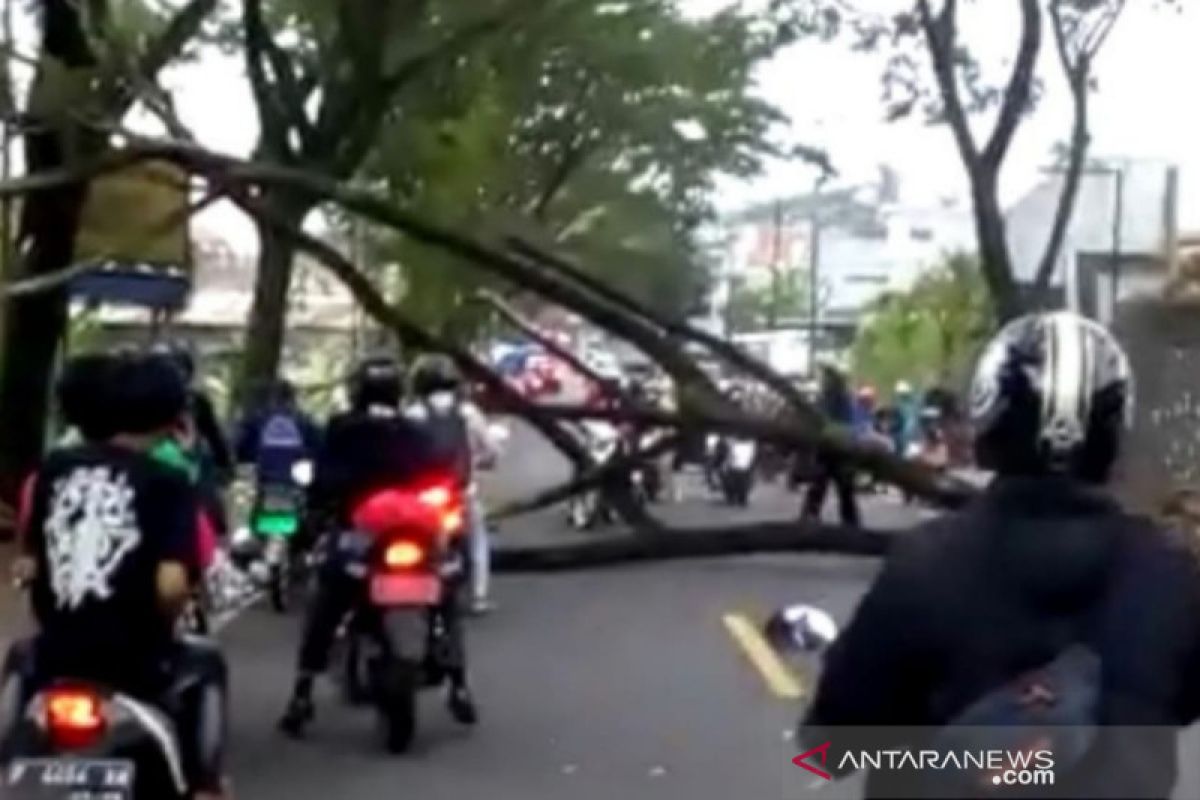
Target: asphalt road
618,683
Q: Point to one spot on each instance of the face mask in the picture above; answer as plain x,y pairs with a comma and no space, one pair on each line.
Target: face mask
443,401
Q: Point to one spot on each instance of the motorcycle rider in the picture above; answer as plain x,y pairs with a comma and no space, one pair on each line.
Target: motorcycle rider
460,432
109,543
372,446
277,436
1043,593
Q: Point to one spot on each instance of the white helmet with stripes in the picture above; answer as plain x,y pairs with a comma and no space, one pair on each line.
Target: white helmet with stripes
1051,394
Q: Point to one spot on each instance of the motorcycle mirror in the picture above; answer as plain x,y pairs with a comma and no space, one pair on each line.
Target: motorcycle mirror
302,473
801,629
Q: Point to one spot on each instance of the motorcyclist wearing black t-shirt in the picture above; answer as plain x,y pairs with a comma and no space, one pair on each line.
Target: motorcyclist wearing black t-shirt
371,447
1044,563
109,542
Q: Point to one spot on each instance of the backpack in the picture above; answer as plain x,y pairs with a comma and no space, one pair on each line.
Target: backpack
1054,707
280,432
449,439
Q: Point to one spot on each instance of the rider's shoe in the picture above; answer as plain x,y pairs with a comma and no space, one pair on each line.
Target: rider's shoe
299,715
481,606
461,704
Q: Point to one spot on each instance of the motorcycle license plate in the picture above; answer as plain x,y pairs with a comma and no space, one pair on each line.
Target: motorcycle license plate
405,590
69,779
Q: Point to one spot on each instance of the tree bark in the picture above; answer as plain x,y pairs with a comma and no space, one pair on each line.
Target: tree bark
33,324
268,313
770,537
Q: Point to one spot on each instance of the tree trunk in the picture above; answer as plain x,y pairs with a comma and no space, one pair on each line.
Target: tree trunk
993,247
268,314
767,537
34,323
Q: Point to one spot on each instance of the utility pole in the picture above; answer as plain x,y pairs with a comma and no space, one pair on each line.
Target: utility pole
814,277
1117,244
776,259
6,136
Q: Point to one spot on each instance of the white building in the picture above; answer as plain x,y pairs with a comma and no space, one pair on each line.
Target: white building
1122,234
864,241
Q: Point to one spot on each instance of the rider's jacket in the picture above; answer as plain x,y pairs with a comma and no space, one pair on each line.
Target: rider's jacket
364,451
973,600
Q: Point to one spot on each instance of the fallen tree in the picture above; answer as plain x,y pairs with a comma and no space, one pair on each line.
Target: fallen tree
767,537
701,405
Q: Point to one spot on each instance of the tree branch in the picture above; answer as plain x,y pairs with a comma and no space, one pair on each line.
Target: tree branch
1019,91
272,116
1078,75
771,537
495,302
182,28
589,479
727,351
940,34
370,299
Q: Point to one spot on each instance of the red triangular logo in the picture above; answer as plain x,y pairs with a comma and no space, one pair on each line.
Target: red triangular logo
823,751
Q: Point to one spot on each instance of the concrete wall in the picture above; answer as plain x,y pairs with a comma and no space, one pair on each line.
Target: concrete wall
1163,453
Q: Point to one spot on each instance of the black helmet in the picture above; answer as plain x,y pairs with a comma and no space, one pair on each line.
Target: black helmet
179,353
84,391
147,394
1051,394
435,373
377,381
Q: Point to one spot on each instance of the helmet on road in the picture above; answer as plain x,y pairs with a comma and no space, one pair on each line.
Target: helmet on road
1051,394
375,382
434,373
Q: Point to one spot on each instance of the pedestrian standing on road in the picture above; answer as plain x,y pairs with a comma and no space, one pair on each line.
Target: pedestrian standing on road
838,407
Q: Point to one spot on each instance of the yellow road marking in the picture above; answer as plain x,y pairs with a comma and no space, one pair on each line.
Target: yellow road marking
779,678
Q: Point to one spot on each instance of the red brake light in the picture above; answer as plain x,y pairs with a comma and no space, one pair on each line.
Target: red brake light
403,554
74,716
436,497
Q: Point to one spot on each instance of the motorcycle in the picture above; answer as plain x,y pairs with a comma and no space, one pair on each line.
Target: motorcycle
405,550
80,740
737,471
590,509
276,518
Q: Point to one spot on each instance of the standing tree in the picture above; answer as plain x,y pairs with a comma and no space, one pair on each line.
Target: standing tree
930,333
931,32
597,127
92,68
325,77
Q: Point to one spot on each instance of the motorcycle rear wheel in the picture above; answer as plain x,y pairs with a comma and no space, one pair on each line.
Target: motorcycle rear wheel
397,704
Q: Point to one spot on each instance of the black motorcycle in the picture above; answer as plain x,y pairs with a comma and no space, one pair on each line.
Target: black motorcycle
406,554
80,740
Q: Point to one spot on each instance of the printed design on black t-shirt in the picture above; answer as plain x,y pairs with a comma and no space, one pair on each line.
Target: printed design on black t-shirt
91,526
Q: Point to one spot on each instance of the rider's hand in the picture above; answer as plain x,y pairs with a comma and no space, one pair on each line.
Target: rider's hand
24,569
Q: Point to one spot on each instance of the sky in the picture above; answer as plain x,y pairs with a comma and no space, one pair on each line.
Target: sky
1146,106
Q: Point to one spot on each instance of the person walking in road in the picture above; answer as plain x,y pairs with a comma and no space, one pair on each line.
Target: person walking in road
838,407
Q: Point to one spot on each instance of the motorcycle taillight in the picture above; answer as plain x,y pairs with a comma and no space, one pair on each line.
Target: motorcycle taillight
404,554
446,501
74,716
